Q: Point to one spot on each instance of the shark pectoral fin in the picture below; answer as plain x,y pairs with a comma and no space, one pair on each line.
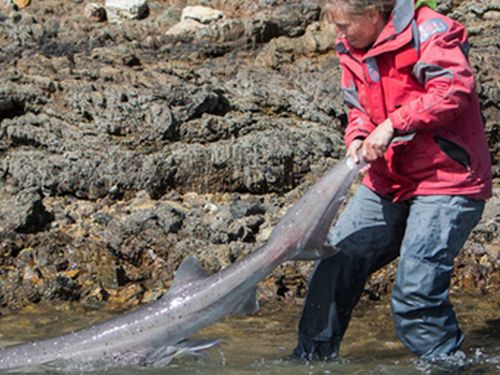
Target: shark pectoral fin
190,270
316,252
196,346
164,355
248,304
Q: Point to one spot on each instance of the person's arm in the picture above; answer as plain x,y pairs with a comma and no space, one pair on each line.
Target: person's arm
444,71
359,125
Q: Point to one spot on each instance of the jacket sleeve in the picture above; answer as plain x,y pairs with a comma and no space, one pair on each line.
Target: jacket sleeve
359,123
444,71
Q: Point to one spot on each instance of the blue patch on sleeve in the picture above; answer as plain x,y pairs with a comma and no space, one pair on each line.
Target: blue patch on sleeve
432,27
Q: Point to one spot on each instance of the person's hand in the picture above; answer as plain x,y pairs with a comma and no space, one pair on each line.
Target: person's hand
353,151
375,145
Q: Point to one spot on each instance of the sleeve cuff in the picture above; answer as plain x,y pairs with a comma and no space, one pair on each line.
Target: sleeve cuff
356,134
400,121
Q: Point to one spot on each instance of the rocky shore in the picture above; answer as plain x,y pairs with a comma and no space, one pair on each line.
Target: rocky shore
130,139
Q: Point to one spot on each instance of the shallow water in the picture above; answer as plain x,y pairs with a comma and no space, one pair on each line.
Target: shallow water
260,344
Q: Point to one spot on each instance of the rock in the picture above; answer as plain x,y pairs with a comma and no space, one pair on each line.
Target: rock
129,237
285,20
63,288
118,10
318,38
95,12
225,30
201,14
164,124
24,213
127,297
187,27
171,15
492,15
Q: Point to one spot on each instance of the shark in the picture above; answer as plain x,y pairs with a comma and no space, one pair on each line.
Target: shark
154,333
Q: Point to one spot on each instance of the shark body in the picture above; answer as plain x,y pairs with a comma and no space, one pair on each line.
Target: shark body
152,334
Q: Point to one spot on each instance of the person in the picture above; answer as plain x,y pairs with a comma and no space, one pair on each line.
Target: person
414,116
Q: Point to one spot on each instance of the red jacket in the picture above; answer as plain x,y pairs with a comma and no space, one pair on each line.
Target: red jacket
417,74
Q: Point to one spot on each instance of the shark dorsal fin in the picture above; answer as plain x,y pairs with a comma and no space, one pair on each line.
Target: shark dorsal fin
190,270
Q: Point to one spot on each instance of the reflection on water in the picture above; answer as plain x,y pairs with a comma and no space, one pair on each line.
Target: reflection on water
260,344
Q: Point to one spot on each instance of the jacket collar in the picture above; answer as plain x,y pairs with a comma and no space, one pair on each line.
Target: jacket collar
401,16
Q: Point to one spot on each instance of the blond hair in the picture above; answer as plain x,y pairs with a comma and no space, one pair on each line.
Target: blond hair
358,6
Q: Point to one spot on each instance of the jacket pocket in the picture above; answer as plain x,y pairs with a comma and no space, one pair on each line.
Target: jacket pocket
454,151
